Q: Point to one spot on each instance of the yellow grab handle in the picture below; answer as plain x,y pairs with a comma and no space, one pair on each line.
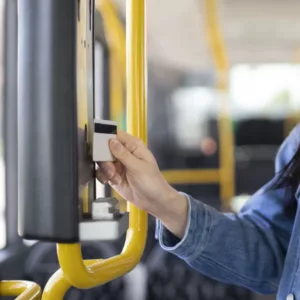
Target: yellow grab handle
58,285
23,290
69,256
219,55
103,271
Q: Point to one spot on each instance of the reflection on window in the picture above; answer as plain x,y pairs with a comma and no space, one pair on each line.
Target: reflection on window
191,110
270,90
2,173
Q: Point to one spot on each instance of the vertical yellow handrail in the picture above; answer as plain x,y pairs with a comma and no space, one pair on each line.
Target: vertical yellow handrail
219,55
23,290
70,257
136,69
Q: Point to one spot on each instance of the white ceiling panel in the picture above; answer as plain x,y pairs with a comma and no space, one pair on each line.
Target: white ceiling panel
255,31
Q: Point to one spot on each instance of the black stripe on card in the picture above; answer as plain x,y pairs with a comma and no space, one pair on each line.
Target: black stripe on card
105,128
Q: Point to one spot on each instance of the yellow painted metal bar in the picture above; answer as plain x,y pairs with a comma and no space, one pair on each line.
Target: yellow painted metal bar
216,43
23,290
114,32
58,285
192,176
219,55
70,257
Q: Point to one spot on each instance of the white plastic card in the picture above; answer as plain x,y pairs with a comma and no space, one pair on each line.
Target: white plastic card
104,131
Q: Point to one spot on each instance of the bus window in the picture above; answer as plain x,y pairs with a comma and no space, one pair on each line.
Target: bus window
191,110
265,91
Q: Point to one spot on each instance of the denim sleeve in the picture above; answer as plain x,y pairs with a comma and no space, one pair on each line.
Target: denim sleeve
246,249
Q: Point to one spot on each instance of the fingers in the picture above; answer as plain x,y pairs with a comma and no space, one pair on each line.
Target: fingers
108,169
128,151
115,180
122,154
124,137
107,172
101,177
135,146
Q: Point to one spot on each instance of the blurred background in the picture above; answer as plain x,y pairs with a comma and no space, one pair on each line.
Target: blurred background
214,128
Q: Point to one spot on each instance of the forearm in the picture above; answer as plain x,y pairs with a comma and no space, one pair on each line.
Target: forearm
230,248
173,213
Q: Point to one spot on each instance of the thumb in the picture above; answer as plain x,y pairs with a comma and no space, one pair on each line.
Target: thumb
122,154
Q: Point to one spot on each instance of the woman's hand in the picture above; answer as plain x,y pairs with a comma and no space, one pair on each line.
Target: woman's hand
136,177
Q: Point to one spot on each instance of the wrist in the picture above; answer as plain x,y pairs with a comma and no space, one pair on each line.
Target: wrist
173,213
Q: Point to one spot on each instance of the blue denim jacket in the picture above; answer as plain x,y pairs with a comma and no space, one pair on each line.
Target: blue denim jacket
258,248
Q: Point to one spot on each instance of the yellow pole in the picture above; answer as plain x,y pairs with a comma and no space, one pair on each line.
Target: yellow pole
24,290
219,55
192,176
70,257
136,86
58,285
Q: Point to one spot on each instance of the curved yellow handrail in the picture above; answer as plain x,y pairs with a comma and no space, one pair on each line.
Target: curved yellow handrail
70,257
58,285
219,55
23,290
